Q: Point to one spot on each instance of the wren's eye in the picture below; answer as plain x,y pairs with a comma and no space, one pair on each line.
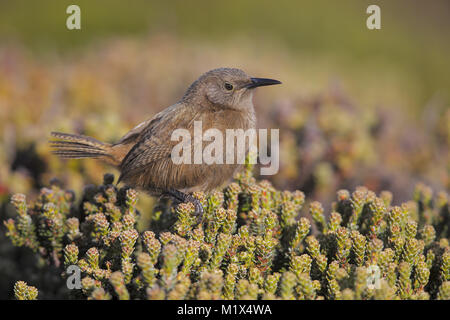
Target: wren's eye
228,86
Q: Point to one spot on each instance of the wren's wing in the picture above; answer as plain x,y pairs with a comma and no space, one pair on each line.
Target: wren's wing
154,140
133,134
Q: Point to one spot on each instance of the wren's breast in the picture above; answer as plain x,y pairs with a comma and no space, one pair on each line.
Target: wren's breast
225,155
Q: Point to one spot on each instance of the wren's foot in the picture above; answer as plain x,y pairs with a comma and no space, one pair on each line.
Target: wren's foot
185,197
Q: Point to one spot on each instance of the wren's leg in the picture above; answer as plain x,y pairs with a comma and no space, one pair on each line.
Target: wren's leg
184,197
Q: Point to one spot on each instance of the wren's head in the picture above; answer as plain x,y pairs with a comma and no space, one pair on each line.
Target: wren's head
225,88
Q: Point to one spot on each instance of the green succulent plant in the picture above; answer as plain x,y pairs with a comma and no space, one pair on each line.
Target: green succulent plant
254,242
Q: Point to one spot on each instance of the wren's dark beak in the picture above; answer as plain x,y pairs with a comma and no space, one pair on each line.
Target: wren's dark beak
259,82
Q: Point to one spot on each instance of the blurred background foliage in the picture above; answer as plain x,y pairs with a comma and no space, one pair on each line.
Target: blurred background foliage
357,107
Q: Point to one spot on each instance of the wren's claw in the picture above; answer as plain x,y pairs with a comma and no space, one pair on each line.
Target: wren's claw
184,197
198,209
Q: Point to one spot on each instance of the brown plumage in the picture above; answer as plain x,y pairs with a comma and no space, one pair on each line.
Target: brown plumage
220,99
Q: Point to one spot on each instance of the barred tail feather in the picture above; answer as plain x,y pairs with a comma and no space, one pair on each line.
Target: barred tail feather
72,146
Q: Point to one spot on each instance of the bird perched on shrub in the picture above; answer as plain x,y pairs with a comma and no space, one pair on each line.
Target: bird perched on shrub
220,99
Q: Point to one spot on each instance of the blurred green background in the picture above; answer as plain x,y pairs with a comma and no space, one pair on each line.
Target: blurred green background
413,43
357,106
